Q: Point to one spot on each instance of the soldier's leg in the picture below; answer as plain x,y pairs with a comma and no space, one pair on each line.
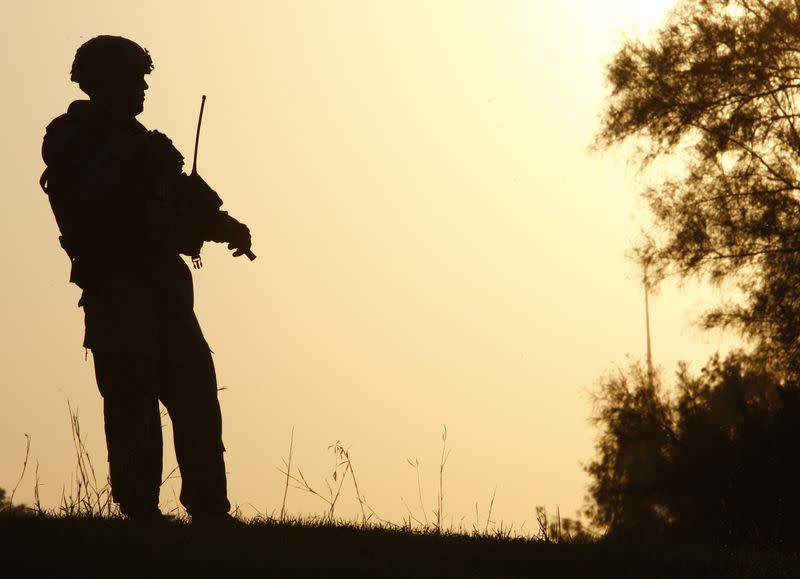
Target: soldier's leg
189,392
127,382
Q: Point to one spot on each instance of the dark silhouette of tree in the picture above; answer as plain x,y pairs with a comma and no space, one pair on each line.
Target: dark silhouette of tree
635,431
714,461
715,90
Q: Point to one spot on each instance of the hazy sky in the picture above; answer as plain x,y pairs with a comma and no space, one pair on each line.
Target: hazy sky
437,247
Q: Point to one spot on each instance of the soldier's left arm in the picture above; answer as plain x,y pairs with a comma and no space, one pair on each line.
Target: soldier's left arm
212,223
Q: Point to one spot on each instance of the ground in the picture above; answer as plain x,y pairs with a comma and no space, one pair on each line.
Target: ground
74,547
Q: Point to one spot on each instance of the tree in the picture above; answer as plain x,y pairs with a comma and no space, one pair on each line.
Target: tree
731,466
714,91
714,461
636,426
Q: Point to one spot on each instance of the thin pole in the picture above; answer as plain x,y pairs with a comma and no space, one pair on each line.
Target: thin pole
647,326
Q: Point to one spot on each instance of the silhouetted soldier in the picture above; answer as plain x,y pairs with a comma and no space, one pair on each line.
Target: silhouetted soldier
125,211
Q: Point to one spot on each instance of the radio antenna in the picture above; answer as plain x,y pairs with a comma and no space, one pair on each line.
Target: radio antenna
197,136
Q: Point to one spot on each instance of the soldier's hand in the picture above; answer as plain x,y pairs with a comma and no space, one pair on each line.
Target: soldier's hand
239,240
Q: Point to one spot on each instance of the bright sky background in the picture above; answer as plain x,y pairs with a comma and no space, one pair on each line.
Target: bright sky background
437,246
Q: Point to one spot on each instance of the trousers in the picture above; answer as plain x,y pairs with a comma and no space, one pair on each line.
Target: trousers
163,357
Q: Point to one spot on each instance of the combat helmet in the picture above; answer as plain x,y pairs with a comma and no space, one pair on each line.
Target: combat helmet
105,59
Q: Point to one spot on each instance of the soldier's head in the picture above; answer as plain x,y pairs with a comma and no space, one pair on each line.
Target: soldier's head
111,69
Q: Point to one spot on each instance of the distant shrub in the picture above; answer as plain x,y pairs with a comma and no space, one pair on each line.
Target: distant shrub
6,508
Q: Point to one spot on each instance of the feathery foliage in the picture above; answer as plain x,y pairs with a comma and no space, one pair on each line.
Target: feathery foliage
715,91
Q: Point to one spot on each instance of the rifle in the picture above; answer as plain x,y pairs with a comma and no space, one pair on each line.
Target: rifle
196,258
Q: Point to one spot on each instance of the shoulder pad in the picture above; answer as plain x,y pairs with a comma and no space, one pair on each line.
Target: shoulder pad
164,150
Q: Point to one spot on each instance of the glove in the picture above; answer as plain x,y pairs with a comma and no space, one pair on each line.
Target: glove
238,238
